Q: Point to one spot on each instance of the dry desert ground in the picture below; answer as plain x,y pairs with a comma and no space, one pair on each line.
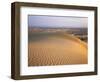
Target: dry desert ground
46,49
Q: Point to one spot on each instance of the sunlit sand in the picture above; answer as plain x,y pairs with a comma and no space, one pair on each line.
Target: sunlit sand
56,49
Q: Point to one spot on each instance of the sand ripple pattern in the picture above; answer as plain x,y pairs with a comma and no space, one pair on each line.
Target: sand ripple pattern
56,50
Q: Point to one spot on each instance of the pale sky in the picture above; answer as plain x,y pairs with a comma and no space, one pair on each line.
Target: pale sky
57,21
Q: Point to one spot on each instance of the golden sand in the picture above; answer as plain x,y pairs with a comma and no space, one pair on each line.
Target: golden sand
62,50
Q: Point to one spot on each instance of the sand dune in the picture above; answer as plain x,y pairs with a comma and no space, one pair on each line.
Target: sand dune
56,49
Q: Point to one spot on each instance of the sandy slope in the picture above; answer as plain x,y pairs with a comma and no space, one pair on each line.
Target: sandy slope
56,49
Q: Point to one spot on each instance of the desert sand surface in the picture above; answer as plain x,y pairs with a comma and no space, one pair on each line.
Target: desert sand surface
46,49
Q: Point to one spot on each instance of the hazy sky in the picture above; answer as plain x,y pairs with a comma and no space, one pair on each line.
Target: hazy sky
57,21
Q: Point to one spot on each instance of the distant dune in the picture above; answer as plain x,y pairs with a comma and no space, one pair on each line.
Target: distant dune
45,49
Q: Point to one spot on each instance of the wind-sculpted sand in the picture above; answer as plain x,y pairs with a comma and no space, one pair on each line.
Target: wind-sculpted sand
45,49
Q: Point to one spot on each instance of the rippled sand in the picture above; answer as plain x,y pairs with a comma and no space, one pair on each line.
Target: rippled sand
61,49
